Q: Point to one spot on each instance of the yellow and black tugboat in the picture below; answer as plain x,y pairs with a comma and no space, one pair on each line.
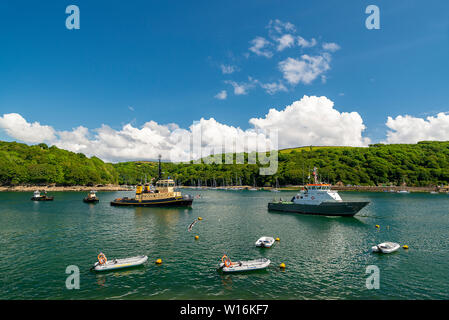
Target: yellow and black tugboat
164,195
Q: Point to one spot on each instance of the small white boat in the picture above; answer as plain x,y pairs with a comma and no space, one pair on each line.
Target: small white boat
239,266
105,265
403,191
386,247
265,242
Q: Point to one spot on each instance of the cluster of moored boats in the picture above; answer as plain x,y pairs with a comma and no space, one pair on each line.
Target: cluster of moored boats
90,198
226,265
314,199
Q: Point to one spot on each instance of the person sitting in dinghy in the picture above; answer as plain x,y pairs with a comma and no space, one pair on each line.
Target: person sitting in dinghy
102,258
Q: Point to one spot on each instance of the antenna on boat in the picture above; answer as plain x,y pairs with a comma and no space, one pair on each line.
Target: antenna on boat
315,175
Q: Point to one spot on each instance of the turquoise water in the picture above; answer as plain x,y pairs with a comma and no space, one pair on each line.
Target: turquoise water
326,258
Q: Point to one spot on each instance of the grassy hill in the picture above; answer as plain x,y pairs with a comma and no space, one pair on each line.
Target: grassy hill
422,164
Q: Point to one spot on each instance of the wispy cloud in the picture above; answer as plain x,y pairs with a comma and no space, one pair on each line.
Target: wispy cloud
331,46
228,69
274,87
306,44
283,36
242,87
257,46
222,95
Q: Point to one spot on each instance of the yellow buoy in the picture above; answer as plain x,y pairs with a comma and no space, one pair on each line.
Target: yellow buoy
159,261
199,218
197,237
282,265
277,239
405,246
377,226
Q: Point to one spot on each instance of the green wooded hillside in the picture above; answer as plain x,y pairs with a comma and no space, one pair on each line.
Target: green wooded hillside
40,164
422,164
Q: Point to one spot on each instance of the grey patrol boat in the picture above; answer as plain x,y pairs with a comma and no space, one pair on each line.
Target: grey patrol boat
319,199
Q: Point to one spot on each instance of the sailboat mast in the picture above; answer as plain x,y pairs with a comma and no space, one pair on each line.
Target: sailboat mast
159,168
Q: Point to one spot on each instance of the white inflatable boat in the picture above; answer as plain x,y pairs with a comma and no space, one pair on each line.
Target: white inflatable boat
386,247
265,242
240,266
119,263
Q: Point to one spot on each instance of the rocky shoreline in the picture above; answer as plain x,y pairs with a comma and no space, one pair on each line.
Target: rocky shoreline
29,188
111,187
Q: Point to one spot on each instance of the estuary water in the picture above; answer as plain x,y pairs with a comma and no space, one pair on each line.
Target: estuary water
325,258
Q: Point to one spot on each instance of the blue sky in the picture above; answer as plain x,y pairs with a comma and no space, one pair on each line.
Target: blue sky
163,58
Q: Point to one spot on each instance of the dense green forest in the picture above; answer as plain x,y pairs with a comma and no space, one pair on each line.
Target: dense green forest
422,164
39,164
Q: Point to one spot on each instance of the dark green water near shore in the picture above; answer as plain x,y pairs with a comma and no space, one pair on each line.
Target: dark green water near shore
326,258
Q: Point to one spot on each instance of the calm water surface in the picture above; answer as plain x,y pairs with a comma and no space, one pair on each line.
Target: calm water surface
326,258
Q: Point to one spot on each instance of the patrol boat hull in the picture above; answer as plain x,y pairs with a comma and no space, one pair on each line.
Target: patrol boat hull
168,202
342,208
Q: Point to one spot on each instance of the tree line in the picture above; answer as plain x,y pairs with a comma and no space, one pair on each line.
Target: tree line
423,164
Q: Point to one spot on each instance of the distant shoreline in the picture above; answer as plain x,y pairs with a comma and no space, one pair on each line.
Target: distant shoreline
29,188
345,188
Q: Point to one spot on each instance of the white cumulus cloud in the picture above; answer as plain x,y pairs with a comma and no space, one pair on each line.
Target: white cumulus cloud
408,129
18,128
309,121
314,121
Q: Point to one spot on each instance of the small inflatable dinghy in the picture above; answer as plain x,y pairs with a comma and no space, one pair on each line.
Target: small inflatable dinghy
265,242
104,265
228,266
386,247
